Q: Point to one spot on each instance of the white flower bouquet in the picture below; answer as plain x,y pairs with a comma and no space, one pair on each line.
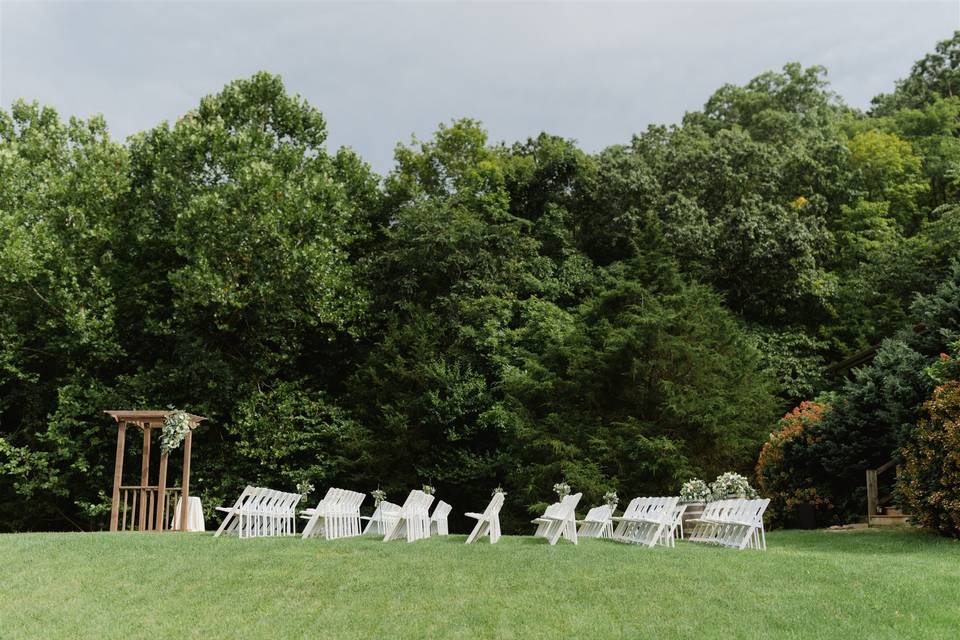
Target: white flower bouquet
695,490
731,485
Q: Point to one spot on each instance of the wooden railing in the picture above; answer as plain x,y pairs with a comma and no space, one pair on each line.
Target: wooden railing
144,510
874,502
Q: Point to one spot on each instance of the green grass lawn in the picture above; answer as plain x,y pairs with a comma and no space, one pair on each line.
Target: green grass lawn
817,584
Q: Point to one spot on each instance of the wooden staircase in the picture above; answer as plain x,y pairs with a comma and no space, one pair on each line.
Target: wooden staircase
879,514
890,517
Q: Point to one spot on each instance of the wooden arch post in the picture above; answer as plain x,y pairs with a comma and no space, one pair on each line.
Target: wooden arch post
149,504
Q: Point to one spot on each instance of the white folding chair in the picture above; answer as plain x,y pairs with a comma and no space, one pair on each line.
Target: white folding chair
597,523
231,519
438,521
488,522
652,523
562,521
383,516
411,519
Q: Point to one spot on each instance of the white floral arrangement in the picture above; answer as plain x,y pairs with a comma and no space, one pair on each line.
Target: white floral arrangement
379,495
695,490
304,489
731,485
429,490
497,490
562,489
610,498
175,428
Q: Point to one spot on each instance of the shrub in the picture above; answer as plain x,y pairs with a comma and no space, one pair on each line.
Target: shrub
928,482
778,475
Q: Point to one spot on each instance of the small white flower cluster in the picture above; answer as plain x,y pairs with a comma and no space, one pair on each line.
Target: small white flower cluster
695,490
304,489
175,428
562,489
427,489
731,485
379,495
499,489
610,498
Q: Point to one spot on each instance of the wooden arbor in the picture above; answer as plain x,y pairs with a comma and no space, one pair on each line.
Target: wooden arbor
149,505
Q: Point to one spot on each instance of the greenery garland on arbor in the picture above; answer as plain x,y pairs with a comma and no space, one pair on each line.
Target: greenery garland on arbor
175,427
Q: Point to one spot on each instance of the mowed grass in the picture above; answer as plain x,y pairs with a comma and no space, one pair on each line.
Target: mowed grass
816,584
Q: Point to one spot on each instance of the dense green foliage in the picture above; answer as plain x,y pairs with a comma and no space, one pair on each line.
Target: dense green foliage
104,586
485,314
929,480
870,416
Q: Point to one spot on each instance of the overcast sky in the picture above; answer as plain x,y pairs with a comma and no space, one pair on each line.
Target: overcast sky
380,73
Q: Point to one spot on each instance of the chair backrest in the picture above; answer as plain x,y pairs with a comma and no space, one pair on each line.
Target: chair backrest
410,503
389,508
356,500
761,509
631,509
256,501
248,492
568,506
441,511
493,509
551,511
288,504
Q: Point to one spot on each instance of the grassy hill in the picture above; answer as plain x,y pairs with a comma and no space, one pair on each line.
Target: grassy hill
881,584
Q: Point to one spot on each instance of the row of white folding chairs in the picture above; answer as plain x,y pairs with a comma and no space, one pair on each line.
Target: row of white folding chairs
598,523
337,515
413,520
648,521
559,520
387,513
488,522
736,523
260,511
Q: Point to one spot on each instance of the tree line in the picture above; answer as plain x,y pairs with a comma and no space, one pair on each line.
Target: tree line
484,314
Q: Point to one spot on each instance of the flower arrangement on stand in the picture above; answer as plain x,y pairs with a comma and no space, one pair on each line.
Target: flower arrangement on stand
694,491
497,490
379,495
610,499
428,489
562,489
731,485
